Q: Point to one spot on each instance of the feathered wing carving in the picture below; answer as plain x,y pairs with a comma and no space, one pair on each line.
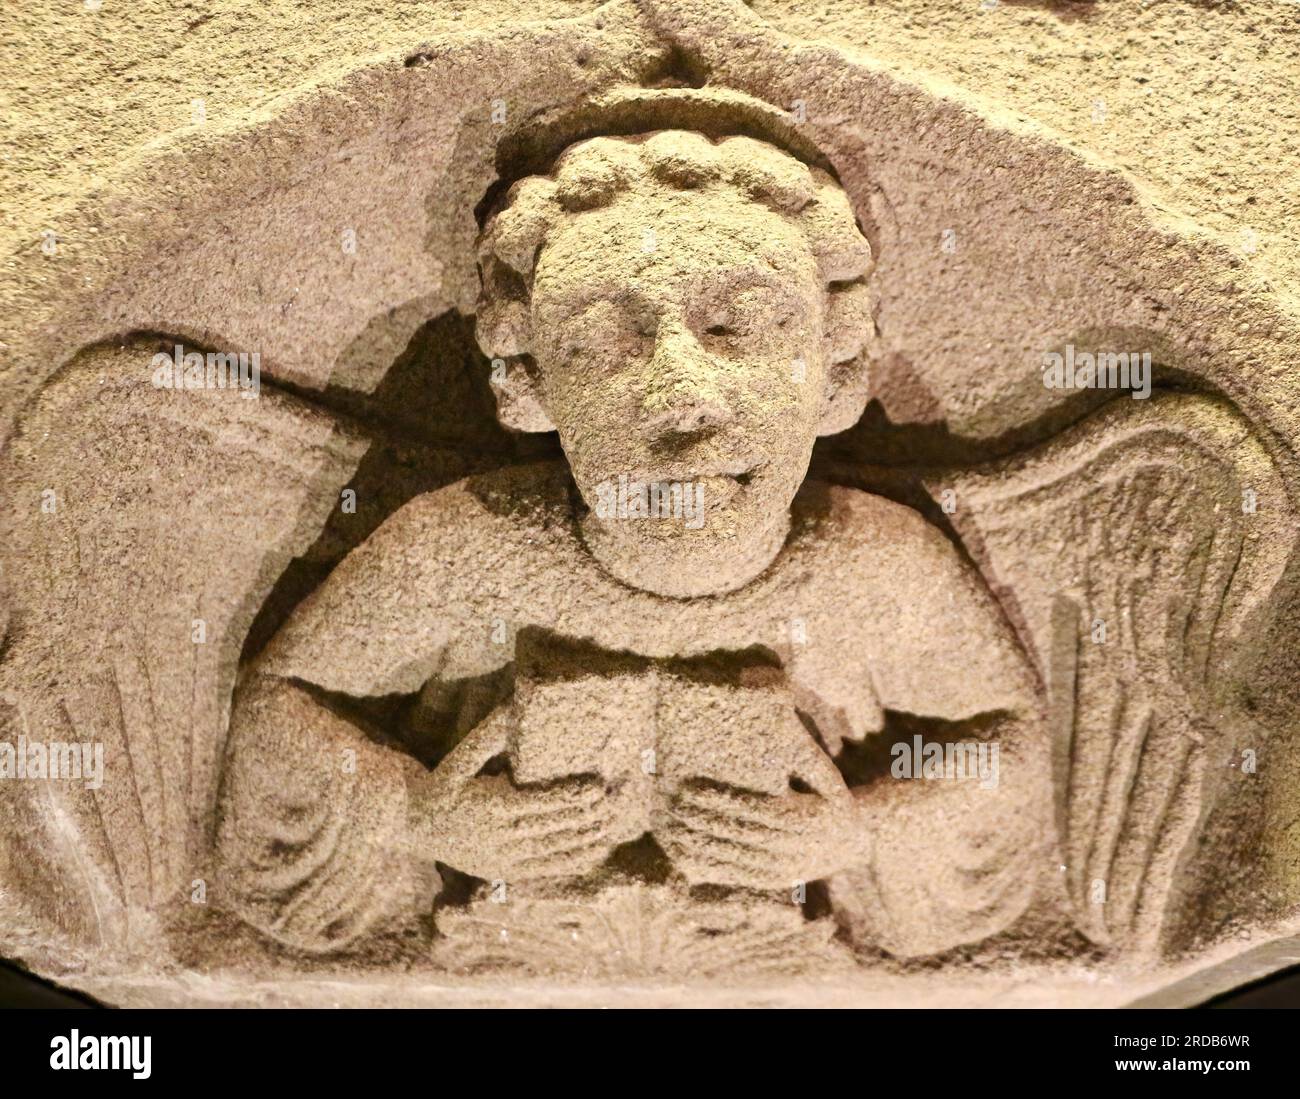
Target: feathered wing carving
180,507
142,529
1135,554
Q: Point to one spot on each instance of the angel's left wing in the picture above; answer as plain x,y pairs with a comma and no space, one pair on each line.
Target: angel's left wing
1136,555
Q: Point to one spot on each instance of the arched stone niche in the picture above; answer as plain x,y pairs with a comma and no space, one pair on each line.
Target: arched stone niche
281,610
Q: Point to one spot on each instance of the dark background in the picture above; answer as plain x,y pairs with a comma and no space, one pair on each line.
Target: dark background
20,989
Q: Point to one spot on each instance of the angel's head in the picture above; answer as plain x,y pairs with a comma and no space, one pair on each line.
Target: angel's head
686,312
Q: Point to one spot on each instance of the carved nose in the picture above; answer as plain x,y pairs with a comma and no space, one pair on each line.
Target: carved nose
683,397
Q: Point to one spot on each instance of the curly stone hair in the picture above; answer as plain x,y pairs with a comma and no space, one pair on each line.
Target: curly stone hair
594,172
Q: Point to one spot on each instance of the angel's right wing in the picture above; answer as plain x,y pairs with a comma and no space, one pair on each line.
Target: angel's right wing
142,526
1137,555
149,537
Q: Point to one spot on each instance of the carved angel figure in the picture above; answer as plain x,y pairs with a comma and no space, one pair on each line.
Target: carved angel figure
695,721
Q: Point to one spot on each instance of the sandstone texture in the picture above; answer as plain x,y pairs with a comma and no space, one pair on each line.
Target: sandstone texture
660,502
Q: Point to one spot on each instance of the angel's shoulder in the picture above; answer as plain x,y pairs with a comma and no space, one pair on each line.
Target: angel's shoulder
435,571
878,538
480,522
463,541
915,618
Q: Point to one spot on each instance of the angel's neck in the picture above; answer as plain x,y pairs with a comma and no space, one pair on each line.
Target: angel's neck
681,564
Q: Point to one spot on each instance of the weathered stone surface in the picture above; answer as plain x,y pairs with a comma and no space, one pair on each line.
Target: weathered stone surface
698,503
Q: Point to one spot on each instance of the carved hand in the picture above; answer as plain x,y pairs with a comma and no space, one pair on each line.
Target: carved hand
493,829
722,836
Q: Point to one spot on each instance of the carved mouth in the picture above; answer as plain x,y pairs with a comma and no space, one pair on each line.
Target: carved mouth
740,471
745,475
725,487
718,483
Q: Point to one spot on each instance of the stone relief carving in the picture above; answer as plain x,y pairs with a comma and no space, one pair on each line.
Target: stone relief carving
682,751
673,689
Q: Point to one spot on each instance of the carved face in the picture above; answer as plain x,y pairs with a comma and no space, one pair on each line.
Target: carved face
682,343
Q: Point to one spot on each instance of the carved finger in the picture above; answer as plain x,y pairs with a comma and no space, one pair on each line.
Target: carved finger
577,859
542,842
760,813
718,833
724,815
552,803
735,868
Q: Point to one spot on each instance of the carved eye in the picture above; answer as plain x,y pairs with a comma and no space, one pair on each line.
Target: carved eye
750,312
608,332
726,320
726,330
